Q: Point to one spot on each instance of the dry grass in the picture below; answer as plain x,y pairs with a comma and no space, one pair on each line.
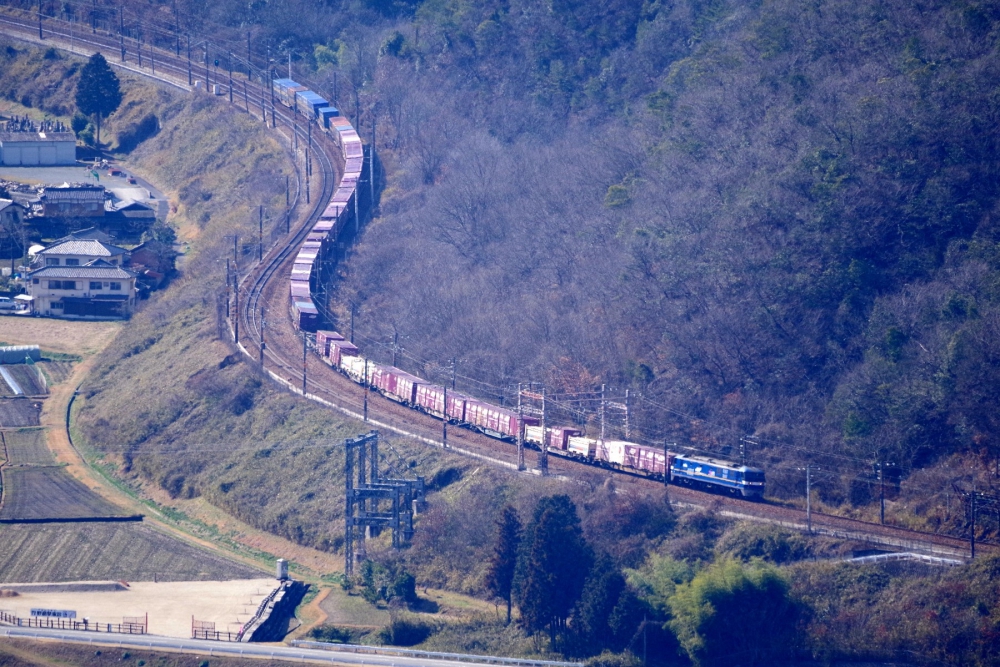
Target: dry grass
63,336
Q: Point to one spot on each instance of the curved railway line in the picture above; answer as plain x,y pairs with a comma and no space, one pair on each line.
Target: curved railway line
261,296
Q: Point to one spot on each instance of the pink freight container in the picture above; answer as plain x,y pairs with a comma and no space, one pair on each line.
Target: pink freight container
323,339
340,349
430,398
653,460
494,420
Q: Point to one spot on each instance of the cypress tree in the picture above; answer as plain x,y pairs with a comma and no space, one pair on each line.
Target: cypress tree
552,566
98,92
500,577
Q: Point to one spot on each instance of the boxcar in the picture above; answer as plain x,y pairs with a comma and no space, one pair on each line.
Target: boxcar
430,399
285,90
326,114
581,447
496,421
339,350
305,315
354,366
323,339
651,460
396,384
309,103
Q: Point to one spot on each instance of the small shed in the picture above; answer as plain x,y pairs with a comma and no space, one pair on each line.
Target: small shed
37,148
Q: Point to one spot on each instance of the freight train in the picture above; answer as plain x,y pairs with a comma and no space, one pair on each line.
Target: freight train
342,208
435,400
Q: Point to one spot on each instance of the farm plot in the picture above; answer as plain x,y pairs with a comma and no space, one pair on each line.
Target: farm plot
27,448
19,412
57,372
50,493
28,377
107,551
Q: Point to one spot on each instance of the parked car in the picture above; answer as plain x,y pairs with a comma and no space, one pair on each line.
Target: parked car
7,303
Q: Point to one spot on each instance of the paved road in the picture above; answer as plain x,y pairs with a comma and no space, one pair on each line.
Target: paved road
331,656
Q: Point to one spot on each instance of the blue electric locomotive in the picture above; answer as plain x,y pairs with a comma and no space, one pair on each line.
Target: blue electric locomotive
697,471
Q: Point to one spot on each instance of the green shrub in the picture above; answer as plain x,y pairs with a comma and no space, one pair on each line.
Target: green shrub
609,659
404,632
746,541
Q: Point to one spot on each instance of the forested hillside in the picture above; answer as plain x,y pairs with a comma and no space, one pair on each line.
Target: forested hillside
775,219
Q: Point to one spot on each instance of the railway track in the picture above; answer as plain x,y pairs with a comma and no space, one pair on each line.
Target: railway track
287,362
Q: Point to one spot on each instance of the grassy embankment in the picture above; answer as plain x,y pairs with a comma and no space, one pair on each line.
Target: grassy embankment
169,412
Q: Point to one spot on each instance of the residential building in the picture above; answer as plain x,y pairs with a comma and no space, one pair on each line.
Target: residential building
78,252
11,214
73,201
96,290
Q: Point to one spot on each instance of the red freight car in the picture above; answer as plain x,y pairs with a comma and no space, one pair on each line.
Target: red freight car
430,399
652,460
493,420
340,349
323,339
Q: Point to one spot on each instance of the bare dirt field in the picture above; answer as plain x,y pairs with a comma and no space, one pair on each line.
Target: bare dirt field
19,412
107,551
170,605
49,493
64,336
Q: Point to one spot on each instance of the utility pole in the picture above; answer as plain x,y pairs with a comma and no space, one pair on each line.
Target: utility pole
972,533
236,319
543,459
177,28
121,27
520,430
366,389
190,78
454,372
357,213
236,257
628,430
40,36
352,322
290,64
602,415
444,419
881,493
228,294
260,233
229,61
263,344
395,346
93,18
305,352
809,525
249,72
371,164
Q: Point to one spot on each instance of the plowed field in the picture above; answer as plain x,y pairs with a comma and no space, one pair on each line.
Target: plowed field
16,412
27,447
49,493
106,551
